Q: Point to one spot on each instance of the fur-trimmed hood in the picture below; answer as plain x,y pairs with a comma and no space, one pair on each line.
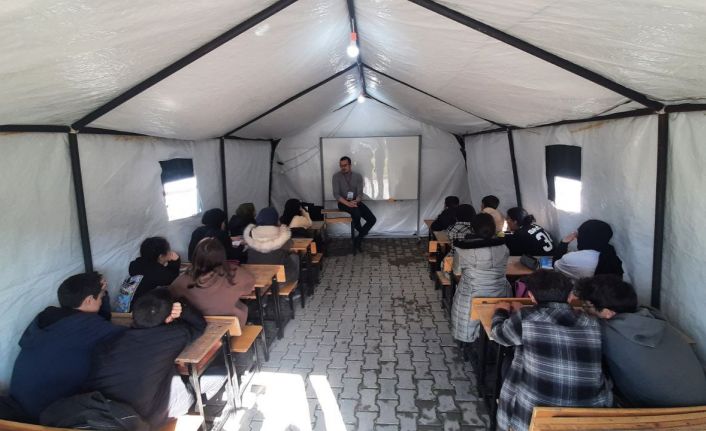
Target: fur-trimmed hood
266,238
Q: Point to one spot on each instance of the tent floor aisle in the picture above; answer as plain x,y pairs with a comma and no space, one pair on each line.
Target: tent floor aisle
371,350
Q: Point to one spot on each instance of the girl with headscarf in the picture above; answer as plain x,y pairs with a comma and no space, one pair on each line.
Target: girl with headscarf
296,217
244,215
594,256
214,223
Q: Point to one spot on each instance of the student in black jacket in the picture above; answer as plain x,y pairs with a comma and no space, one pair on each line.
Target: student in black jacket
214,224
158,265
526,237
137,368
448,216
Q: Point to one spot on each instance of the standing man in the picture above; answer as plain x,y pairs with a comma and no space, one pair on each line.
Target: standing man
348,192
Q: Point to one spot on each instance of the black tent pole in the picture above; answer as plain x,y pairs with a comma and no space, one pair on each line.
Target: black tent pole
515,175
224,189
538,52
80,202
660,206
273,147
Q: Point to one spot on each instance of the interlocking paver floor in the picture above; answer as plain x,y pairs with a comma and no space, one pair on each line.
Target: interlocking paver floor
372,350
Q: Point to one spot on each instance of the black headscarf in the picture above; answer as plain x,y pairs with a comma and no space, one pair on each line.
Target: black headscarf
595,235
213,218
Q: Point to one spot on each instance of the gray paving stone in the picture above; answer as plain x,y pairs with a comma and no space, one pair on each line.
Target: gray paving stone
372,361
366,421
387,371
387,389
421,370
451,421
404,379
441,380
464,390
351,388
437,363
408,421
347,408
388,413
356,353
424,390
339,360
407,398
404,361
387,354
353,369
446,403
427,413
473,413
368,400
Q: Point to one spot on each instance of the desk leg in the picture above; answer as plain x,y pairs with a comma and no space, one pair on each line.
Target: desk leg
278,315
482,350
497,386
196,386
309,269
258,296
353,237
232,373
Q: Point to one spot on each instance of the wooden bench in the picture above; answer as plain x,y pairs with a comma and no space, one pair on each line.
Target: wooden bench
432,257
183,423
594,419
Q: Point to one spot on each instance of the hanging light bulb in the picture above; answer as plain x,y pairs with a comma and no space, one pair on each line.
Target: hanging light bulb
352,49
361,98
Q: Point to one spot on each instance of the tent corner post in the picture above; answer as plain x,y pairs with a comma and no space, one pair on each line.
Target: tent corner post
273,147
224,187
80,201
513,160
660,207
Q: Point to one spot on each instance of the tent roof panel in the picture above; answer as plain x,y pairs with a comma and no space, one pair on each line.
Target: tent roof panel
285,54
471,70
652,46
306,110
420,106
64,59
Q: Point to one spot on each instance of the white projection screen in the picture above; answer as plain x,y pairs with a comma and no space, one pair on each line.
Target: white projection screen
389,165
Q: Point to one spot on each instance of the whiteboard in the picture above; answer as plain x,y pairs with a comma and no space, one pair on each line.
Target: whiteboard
389,165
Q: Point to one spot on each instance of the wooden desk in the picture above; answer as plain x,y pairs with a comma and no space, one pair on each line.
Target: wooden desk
442,237
267,277
428,222
217,329
317,225
301,245
515,269
340,217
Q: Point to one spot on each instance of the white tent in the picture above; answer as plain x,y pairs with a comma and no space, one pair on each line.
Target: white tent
95,94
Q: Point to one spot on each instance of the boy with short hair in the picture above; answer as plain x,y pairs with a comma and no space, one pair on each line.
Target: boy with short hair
56,347
557,359
447,217
649,361
489,205
137,368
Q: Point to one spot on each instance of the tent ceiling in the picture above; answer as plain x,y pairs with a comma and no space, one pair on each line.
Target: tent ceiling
67,58
471,70
653,46
306,110
62,59
423,107
243,78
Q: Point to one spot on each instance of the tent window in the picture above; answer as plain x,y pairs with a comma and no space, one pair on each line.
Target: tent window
563,166
180,188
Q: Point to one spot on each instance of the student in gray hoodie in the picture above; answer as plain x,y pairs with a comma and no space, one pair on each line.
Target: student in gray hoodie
651,364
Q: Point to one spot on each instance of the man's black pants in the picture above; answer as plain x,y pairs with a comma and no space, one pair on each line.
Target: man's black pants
361,211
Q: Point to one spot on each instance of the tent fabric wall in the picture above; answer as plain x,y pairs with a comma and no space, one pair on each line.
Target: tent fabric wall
442,172
40,245
619,164
684,265
490,169
247,173
124,195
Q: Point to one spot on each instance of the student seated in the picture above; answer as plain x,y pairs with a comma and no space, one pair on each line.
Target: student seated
137,367
489,205
447,217
649,361
526,237
594,256
296,218
212,285
244,215
214,222
158,265
56,348
557,360
269,243
481,259
462,226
